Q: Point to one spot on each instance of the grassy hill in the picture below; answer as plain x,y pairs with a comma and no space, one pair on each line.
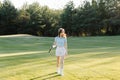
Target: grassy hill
90,58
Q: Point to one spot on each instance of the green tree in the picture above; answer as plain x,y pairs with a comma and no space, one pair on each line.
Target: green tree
87,19
67,18
0,4
23,22
8,14
112,23
42,20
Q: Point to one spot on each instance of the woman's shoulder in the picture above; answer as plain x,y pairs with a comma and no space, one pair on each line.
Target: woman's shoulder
56,37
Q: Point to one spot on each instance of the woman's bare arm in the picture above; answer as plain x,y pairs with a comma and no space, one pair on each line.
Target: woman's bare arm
66,47
54,44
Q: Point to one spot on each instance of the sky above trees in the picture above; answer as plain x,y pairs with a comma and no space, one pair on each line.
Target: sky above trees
54,4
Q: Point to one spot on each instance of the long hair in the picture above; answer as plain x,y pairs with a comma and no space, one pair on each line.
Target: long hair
60,31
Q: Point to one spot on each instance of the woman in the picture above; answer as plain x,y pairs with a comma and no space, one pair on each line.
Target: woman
61,50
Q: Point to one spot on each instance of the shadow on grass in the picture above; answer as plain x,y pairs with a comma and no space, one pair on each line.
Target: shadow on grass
47,76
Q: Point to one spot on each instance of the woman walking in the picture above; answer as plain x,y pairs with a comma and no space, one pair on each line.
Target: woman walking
61,50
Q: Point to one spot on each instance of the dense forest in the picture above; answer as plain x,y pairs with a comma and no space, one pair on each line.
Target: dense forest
88,19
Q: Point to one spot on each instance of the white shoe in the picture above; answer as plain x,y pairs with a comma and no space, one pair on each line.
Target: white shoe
61,72
58,71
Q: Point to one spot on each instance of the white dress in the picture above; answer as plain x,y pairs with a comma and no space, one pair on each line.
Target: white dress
60,42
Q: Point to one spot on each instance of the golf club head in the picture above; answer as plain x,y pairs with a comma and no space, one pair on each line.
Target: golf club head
50,49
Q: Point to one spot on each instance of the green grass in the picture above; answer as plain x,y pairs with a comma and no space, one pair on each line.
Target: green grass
90,58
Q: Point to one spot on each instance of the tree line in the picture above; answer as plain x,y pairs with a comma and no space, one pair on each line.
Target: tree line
89,19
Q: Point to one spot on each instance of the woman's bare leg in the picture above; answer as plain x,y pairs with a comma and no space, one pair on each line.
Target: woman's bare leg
58,61
62,62
62,65
58,64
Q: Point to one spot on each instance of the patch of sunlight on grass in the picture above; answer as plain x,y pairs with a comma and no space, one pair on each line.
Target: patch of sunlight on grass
20,53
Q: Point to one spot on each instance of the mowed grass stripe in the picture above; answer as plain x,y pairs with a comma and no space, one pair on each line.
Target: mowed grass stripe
20,53
90,58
